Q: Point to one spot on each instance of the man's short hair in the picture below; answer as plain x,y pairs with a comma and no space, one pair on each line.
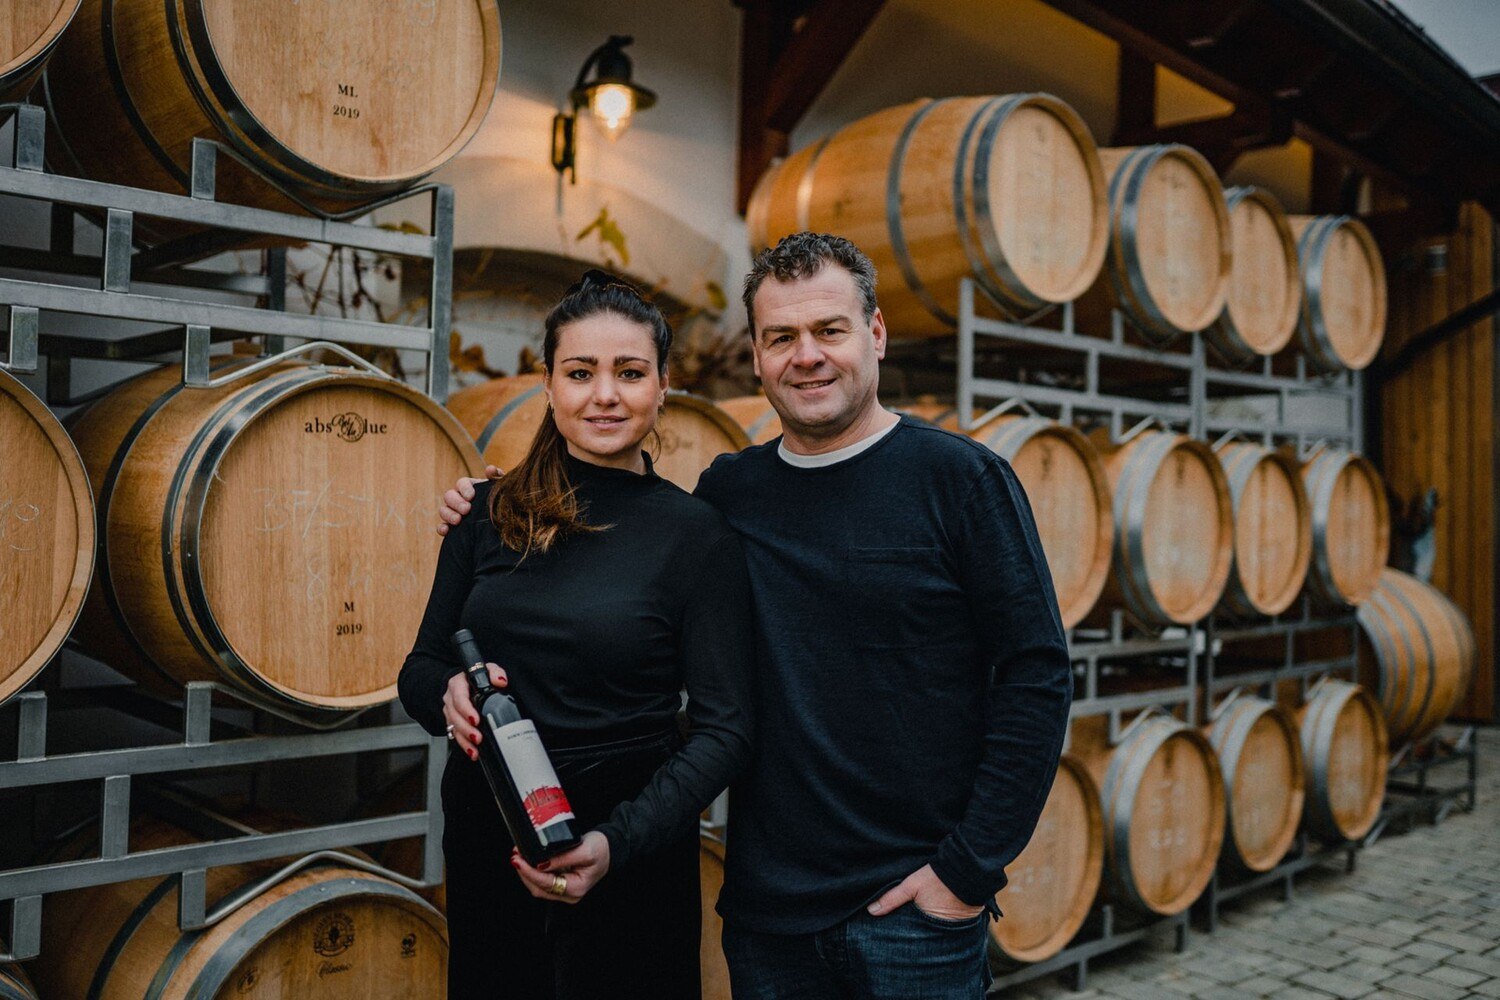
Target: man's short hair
804,254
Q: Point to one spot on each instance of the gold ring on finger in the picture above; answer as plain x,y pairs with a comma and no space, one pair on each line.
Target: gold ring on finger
559,885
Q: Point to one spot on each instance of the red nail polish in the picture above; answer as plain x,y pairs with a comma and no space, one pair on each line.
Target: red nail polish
544,866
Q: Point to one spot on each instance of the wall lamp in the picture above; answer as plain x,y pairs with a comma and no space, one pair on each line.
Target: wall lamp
611,97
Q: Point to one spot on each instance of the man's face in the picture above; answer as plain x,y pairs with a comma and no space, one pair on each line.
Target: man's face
817,357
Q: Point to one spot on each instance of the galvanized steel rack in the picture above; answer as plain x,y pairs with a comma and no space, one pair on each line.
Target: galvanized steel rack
122,272
146,286
1114,382
1410,778
205,743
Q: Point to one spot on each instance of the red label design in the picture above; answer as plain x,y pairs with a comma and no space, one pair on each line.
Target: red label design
547,804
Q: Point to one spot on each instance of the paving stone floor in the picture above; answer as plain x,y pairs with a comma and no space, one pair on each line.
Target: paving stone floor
1418,918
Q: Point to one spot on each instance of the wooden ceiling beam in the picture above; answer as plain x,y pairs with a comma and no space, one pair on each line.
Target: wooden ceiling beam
788,53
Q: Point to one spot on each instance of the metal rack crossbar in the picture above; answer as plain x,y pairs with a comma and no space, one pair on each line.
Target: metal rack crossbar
121,268
197,750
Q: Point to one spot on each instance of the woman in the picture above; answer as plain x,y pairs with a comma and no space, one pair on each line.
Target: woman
604,591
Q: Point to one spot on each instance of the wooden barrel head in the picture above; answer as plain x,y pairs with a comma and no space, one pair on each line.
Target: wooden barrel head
1044,177
1344,301
367,90
715,971
1053,882
1261,757
1183,536
1351,526
1176,824
1170,247
1068,490
756,415
1272,529
1007,189
326,931
1418,653
46,535
693,432
1345,744
28,31
1265,289
313,544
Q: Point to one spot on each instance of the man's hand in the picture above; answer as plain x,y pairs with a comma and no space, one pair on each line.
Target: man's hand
459,712
456,501
581,869
923,888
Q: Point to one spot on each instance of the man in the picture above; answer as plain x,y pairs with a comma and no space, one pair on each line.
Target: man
913,680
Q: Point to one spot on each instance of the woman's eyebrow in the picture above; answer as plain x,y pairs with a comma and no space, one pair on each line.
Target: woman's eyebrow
584,359
625,359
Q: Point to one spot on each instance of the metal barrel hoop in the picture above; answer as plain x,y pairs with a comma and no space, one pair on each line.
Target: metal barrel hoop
1007,283
899,248
805,185
963,181
1383,641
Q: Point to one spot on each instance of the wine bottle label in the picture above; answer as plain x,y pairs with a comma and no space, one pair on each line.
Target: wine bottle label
541,792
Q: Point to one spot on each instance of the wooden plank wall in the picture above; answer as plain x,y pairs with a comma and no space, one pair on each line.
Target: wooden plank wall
1438,428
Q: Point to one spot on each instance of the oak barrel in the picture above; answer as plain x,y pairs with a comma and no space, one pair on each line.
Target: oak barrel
29,31
503,415
1007,189
273,533
1163,808
1067,489
1053,882
1260,754
755,415
1417,651
715,970
327,931
1344,294
1351,521
1272,529
339,103
1345,746
1265,287
1169,243
46,535
13,982
1174,526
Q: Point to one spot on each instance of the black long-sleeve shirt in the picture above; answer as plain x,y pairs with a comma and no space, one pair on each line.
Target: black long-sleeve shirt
912,683
600,634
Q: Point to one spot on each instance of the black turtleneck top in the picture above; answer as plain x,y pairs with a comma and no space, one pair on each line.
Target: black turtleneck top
600,634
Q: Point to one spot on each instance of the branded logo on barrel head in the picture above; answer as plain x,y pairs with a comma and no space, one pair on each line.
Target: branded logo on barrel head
409,946
349,426
334,935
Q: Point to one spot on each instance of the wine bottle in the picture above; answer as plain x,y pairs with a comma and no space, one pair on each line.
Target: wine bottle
531,799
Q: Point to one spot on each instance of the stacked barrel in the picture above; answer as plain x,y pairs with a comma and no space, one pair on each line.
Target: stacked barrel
29,31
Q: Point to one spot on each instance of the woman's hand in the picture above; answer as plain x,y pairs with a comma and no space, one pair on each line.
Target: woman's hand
459,712
456,501
579,869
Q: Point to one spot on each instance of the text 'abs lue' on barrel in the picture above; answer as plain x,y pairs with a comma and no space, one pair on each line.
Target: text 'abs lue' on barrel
1007,189
273,533
46,535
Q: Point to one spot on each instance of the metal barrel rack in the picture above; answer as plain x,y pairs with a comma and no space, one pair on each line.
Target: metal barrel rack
1112,381
1420,783
157,288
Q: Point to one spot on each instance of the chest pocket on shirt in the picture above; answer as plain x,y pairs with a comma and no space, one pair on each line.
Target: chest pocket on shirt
892,593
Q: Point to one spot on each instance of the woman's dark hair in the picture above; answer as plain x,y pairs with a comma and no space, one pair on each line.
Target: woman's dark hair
534,504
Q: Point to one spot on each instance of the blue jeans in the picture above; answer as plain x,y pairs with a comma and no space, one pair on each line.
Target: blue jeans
904,955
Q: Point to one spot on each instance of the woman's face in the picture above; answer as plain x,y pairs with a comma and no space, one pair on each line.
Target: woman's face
605,389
